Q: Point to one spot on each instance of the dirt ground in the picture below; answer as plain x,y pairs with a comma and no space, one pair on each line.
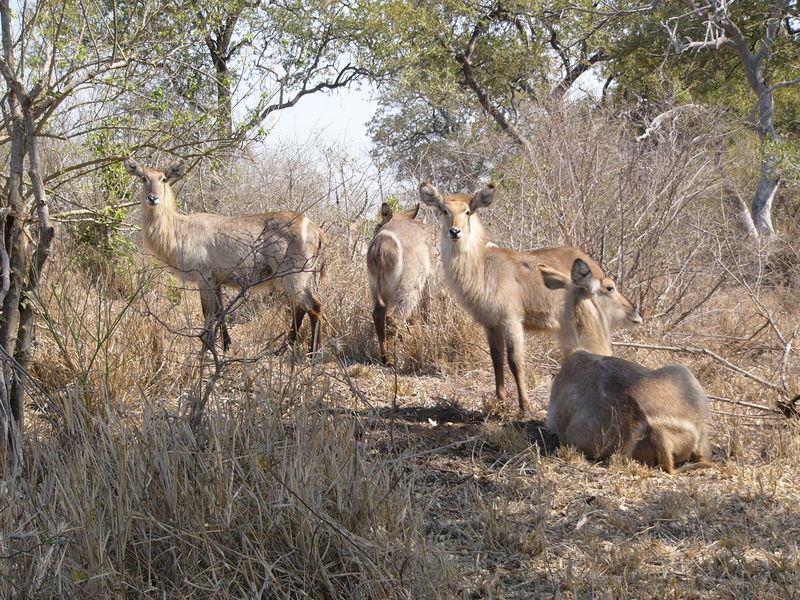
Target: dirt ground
522,518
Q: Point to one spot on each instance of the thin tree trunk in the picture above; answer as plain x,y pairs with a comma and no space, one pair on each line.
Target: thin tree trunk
219,47
7,428
768,177
24,344
224,102
768,183
15,250
14,235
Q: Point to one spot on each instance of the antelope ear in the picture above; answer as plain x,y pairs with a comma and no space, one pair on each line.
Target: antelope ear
430,195
411,213
175,171
132,167
581,274
553,280
483,198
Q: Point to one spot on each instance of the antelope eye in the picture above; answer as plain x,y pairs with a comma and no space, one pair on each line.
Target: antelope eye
610,288
467,212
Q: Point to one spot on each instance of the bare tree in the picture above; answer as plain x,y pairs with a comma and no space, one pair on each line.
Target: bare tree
723,33
22,263
51,53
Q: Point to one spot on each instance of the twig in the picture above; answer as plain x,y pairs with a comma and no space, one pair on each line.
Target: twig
747,404
689,350
82,213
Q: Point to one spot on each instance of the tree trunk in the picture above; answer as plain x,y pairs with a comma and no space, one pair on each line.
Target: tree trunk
24,346
10,448
20,276
15,250
755,63
224,102
768,178
768,183
14,235
219,47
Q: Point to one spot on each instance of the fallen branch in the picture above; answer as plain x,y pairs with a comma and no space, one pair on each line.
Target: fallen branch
747,404
726,363
668,115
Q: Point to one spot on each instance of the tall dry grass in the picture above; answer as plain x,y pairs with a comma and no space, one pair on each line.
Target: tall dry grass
256,506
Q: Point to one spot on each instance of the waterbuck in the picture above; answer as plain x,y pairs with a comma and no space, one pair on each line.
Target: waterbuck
500,288
280,250
601,404
398,268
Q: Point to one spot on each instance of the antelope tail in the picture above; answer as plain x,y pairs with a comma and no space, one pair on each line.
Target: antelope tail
322,242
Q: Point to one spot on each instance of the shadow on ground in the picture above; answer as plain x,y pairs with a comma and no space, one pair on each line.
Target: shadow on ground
448,429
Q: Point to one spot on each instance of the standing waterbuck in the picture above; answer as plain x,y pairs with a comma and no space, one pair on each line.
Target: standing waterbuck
500,288
398,268
601,404
280,250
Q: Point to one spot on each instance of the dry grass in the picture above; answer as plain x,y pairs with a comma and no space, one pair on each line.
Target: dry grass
302,483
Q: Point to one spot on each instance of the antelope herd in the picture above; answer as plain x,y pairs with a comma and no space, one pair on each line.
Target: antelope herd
599,404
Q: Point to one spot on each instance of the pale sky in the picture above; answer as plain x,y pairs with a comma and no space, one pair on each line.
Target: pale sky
339,116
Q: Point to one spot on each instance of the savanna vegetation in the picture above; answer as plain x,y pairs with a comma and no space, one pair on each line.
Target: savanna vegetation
660,137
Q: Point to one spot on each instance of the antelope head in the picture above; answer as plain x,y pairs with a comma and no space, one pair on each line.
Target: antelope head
455,209
155,181
594,307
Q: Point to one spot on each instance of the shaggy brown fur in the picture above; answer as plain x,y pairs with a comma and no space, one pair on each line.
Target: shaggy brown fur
280,250
500,288
399,269
601,404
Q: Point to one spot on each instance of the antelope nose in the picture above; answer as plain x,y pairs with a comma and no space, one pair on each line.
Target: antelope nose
455,233
152,198
636,319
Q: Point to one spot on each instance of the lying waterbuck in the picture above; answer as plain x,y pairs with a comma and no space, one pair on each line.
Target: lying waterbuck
398,268
601,404
500,288
280,250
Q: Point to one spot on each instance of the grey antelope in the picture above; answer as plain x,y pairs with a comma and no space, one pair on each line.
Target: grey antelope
280,250
500,288
601,404
398,268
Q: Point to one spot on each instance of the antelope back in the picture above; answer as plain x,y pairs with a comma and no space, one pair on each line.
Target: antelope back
399,263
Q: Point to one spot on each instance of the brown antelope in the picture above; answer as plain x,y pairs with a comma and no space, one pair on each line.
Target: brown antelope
399,268
500,288
280,250
601,404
